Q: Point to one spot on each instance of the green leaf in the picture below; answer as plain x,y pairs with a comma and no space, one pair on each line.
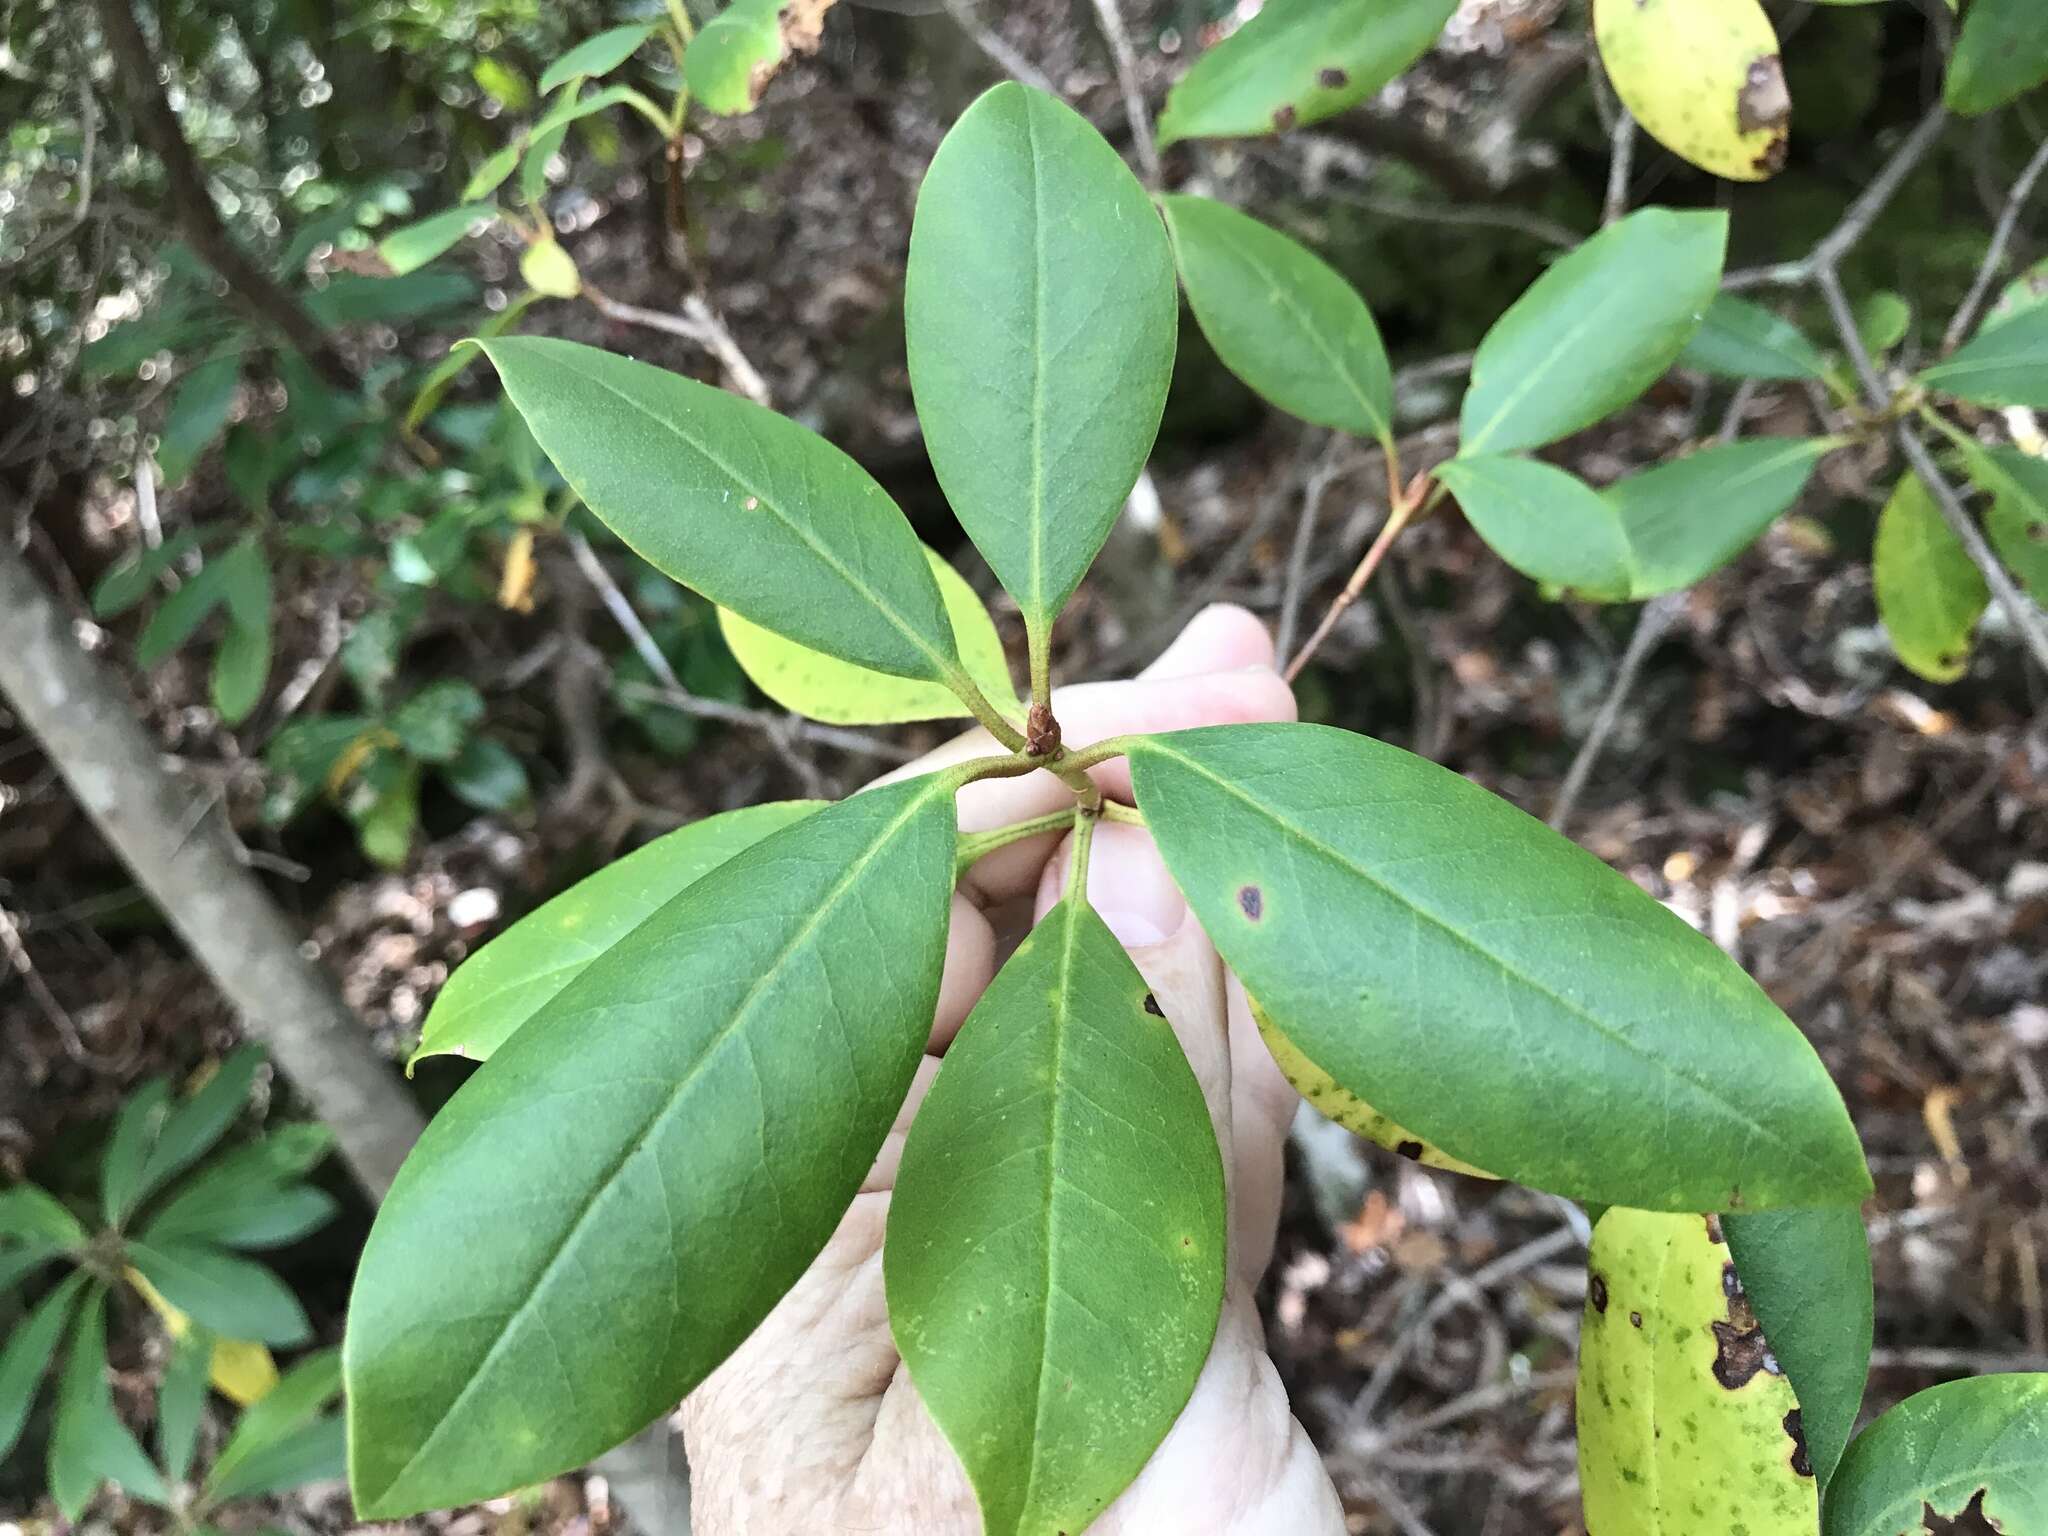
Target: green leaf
1668,1342
384,804
235,1297
24,1257
193,1128
826,688
520,971
408,249
242,665
316,1454
1477,977
355,298
1741,340
1282,319
2002,53
434,723
757,1033
267,1217
1060,1181
2005,365
1594,331
180,614
198,412
503,83
2018,520
275,1419
755,512
1929,593
549,130
1686,519
598,55
541,147
89,1444
26,1356
181,1401
1040,316
1548,524
229,1193
1807,1276
1882,321
486,775
1970,1445
31,1213
1297,62
134,576
135,1132
490,176
550,271
731,60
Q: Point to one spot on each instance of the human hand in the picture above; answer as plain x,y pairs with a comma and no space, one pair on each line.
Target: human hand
813,1424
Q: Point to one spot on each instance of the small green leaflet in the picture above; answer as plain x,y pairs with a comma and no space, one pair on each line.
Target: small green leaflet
755,512
1282,319
490,176
283,1412
235,1297
1040,315
2003,52
1741,340
840,693
1971,1451
199,411
31,1213
181,1401
1548,524
755,1035
1668,1339
594,56
1883,320
730,62
408,249
89,1445
1484,981
1594,331
520,971
1807,1275
1929,593
26,1353
242,664
1297,62
1061,1175
2006,364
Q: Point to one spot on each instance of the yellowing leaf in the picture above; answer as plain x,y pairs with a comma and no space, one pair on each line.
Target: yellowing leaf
241,1371
1686,1424
826,688
1929,595
1703,78
550,270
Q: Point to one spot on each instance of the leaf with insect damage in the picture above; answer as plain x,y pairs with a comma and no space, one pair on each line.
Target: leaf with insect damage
730,62
1965,1459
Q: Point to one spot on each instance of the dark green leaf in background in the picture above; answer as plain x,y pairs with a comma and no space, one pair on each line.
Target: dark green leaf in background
235,1297
408,249
26,1354
135,575
1297,62
242,665
1056,1240
181,1401
196,1125
434,723
275,1419
31,1213
135,1131
2018,520
1488,983
1040,314
1594,331
2004,365
2003,51
1282,319
1976,1445
198,412
1741,340
1883,320
488,776
719,1081
89,1445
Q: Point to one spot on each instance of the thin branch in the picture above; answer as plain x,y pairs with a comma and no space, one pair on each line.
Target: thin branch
990,42
1111,19
1329,469
1621,159
1651,625
698,323
1994,258
1390,530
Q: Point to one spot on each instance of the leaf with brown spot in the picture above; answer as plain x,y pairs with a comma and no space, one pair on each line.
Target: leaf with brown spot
1968,1451
1703,78
730,62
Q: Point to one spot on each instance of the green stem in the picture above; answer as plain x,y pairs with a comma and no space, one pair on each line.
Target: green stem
1077,863
648,110
1123,815
679,18
1093,757
1039,644
967,692
975,846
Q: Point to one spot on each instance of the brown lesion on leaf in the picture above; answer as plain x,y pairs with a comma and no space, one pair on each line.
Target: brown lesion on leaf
1284,118
799,25
1251,901
1596,1291
1332,79
1764,105
1412,1150
1635,1319
1714,1233
1152,1006
1795,1426
1739,1347
1968,1521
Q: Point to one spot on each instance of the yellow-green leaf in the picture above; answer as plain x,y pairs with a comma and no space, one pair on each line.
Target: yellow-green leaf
1929,594
550,270
1704,79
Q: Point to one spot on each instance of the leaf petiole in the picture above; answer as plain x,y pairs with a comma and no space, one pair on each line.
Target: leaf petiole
991,719
975,846
1077,863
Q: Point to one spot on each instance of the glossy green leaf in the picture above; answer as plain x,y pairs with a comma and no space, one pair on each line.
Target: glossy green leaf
732,59
274,1419
598,55
1968,1448
26,1354
1807,1276
1741,340
1545,522
30,1213
2006,364
2002,53
198,414
1297,62
1060,1182
1686,519
135,1131
1040,316
758,514
1479,978
2018,520
1929,593
89,1445
520,971
756,1035
135,575
1282,319
1594,331
181,1402
488,177
234,1297
408,249
1685,1425
828,689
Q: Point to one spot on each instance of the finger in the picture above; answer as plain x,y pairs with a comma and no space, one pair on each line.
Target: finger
1262,1105
1221,638
970,966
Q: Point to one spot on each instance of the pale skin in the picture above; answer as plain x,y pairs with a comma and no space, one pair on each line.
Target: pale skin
814,1424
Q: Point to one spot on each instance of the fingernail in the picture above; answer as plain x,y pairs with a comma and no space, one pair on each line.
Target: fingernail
1130,888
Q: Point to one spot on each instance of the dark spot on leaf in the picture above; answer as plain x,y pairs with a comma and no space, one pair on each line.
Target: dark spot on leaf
1332,79
1284,119
1764,101
1252,900
1152,1006
1796,1428
1714,1230
1731,1283
1739,1353
1970,1521
1412,1150
1635,1319
1187,1242
1596,1292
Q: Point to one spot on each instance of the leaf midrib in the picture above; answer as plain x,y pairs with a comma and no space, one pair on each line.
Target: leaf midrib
658,1119
946,666
1508,971
1038,345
